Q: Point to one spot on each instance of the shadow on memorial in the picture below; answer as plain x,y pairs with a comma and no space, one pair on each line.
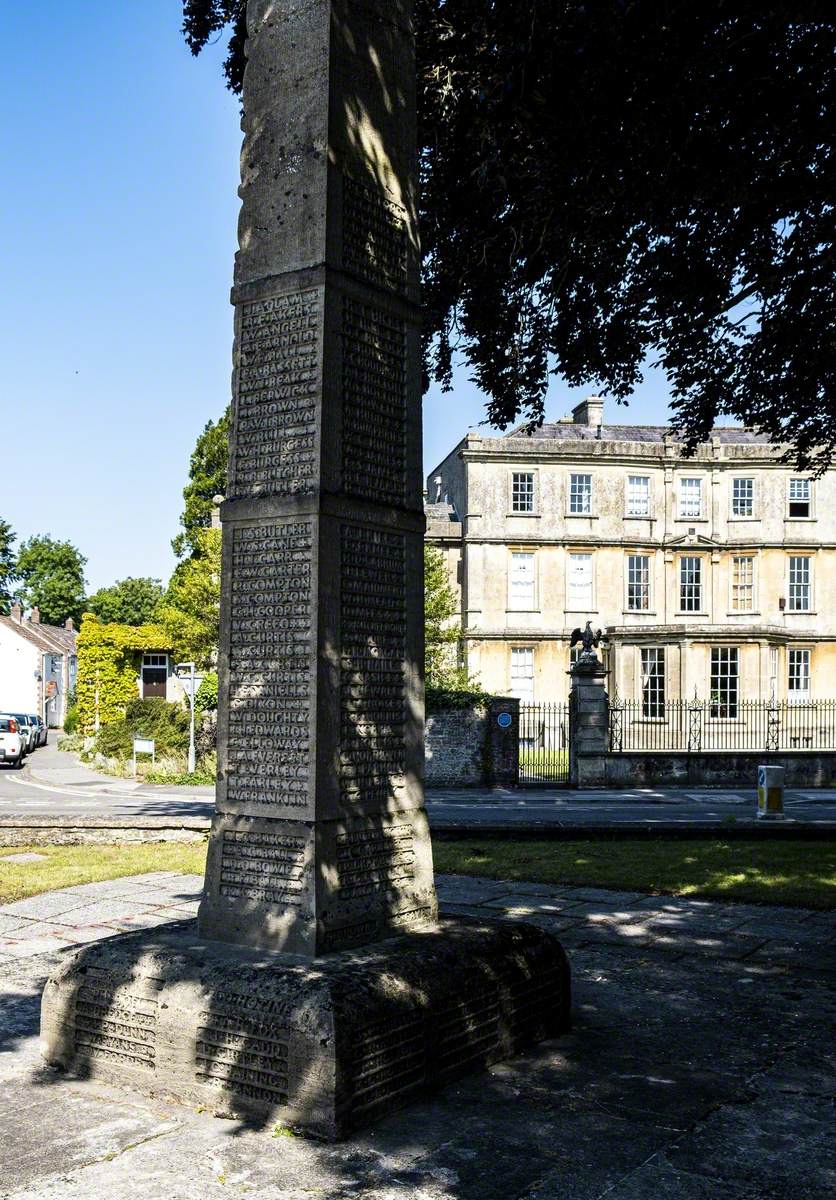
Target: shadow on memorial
326,1044
330,1043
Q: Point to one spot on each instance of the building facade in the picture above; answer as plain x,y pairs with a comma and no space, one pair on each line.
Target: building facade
712,576
38,665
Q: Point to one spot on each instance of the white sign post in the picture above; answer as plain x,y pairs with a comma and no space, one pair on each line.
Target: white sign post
186,671
144,746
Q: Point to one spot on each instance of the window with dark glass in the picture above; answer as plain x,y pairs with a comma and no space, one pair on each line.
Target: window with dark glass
653,682
799,583
638,582
799,498
743,497
724,681
580,494
690,584
522,491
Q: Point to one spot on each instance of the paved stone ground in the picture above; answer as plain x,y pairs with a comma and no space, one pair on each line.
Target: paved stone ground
700,1066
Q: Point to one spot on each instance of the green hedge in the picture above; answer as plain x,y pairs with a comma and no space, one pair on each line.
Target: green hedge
167,724
438,699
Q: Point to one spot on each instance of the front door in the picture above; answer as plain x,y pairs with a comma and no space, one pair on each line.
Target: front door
154,675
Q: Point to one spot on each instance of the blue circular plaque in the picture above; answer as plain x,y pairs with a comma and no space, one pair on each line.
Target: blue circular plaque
504,720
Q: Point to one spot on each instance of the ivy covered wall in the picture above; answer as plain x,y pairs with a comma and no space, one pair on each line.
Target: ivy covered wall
109,658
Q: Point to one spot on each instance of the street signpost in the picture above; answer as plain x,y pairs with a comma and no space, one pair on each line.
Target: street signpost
144,746
186,671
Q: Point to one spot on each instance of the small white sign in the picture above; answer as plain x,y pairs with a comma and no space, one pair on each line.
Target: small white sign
143,745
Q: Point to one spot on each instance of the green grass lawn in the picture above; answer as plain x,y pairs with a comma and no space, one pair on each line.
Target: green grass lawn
68,866
762,872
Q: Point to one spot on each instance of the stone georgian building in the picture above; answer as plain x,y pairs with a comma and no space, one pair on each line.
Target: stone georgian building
712,576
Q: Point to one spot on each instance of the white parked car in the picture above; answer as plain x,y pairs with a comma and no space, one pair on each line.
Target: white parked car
13,742
28,727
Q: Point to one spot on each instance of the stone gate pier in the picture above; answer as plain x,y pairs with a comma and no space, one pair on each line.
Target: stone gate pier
319,987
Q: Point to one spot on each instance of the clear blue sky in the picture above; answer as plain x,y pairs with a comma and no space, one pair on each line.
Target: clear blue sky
118,231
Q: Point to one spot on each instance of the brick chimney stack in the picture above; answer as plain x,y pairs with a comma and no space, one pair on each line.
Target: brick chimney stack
35,616
16,613
69,624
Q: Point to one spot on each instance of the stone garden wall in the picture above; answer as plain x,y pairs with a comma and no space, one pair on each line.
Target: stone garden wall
804,768
475,746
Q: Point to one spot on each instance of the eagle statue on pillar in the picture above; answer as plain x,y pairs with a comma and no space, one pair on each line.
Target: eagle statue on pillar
588,638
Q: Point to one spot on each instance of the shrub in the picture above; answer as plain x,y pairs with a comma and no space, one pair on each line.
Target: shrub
167,724
438,698
72,720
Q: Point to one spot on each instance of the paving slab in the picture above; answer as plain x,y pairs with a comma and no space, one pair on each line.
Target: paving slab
684,1078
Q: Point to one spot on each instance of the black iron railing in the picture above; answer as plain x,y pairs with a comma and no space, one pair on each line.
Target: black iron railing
699,725
544,743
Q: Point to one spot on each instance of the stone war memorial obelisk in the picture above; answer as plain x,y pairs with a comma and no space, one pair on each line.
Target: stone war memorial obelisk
318,987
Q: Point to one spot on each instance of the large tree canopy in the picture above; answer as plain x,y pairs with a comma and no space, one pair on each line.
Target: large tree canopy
131,601
50,576
207,479
611,183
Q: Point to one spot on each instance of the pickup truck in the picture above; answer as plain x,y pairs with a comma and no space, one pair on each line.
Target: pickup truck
13,741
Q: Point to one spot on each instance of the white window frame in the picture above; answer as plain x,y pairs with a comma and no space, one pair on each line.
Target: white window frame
630,582
579,493
800,484
629,501
516,602
735,558
799,667
734,515
521,666
793,581
682,513
571,606
697,580
155,661
653,682
724,708
513,496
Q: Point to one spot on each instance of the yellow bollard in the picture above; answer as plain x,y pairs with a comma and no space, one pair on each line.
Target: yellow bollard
771,793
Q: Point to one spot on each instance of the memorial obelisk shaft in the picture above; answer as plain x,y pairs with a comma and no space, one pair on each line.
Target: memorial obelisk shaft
320,838
320,842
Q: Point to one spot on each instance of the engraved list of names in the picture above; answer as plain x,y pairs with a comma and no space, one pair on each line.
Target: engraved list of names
279,385
270,663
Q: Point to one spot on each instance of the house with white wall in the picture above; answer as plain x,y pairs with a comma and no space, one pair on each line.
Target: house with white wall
38,665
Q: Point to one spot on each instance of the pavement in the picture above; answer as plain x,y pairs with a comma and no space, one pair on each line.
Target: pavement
54,784
700,1066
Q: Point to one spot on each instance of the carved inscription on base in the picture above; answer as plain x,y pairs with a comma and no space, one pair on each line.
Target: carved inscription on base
266,867
372,696
239,1053
344,936
115,1025
374,403
278,390
270,663
370,861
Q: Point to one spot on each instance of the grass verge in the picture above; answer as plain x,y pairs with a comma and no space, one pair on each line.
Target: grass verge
758,872
68,866
793,872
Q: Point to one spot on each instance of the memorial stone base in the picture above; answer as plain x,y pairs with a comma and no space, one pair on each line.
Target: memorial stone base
323,1046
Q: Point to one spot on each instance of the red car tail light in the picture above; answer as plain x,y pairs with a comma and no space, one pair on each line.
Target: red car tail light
12,726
